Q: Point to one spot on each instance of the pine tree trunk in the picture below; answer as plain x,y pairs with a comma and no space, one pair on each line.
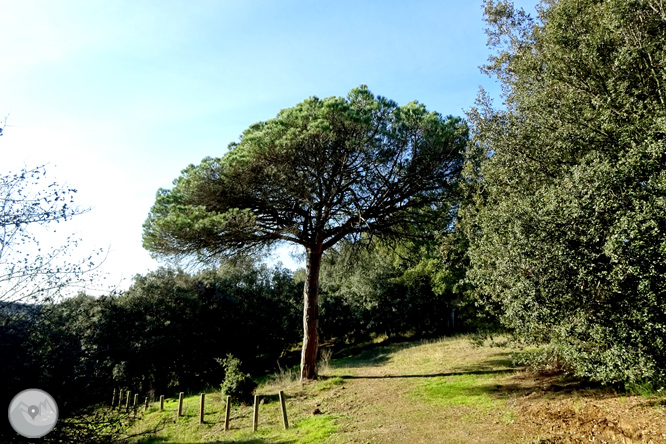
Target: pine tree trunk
311,315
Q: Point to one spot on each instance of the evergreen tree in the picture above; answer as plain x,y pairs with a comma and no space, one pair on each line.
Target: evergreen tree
568,225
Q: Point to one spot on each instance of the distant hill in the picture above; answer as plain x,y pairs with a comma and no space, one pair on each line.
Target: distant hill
14,308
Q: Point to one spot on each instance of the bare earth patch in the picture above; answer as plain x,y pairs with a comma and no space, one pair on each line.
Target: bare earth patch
570,414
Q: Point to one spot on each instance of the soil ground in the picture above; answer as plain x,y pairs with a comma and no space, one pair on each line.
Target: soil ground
444,391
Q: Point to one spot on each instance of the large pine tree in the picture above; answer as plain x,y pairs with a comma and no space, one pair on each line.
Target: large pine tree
319,172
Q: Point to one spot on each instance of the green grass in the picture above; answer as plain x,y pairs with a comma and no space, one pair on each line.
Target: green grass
373,392
330,383
305,428
644,389
315,429
416,392
310,430
470,389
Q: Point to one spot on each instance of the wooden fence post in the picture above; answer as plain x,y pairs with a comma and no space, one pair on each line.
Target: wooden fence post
226,414
283,407
120,400
146,409
113,400
127,401
161,403
201,408
180,405
255,416
136,401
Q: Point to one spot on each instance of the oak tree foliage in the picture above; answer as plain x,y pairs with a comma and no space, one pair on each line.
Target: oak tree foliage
568,226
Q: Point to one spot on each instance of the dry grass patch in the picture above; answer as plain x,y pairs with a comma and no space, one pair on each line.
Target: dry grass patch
443,391
424,392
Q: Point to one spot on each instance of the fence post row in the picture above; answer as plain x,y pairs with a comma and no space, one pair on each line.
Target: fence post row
179,413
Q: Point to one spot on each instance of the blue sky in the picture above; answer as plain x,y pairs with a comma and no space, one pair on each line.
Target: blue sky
117,97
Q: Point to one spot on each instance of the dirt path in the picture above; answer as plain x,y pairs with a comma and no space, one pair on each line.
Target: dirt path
450,392
444,391
391,395
389,416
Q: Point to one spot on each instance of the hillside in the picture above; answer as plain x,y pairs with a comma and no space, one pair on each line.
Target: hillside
444,391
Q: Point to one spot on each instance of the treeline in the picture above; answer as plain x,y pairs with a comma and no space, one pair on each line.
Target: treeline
169,330
160,336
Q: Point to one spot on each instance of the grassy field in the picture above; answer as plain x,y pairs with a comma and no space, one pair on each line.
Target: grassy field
444,391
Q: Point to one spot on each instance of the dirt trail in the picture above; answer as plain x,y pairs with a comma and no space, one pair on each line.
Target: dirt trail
388,416
449,392
381,404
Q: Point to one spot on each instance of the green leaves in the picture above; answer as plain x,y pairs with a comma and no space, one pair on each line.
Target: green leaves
566,226
323,170
237,384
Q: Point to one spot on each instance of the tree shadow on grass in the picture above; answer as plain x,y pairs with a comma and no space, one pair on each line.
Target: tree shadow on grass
526,384
517,383
435,375
162,440
498,363
378,354
372,354
550,386
363,357
557,386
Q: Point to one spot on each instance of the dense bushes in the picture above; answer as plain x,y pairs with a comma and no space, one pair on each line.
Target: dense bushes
391,291
159,337
568,225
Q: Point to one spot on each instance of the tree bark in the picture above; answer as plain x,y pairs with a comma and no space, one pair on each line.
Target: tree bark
311,315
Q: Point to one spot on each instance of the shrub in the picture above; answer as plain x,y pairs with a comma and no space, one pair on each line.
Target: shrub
237,384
